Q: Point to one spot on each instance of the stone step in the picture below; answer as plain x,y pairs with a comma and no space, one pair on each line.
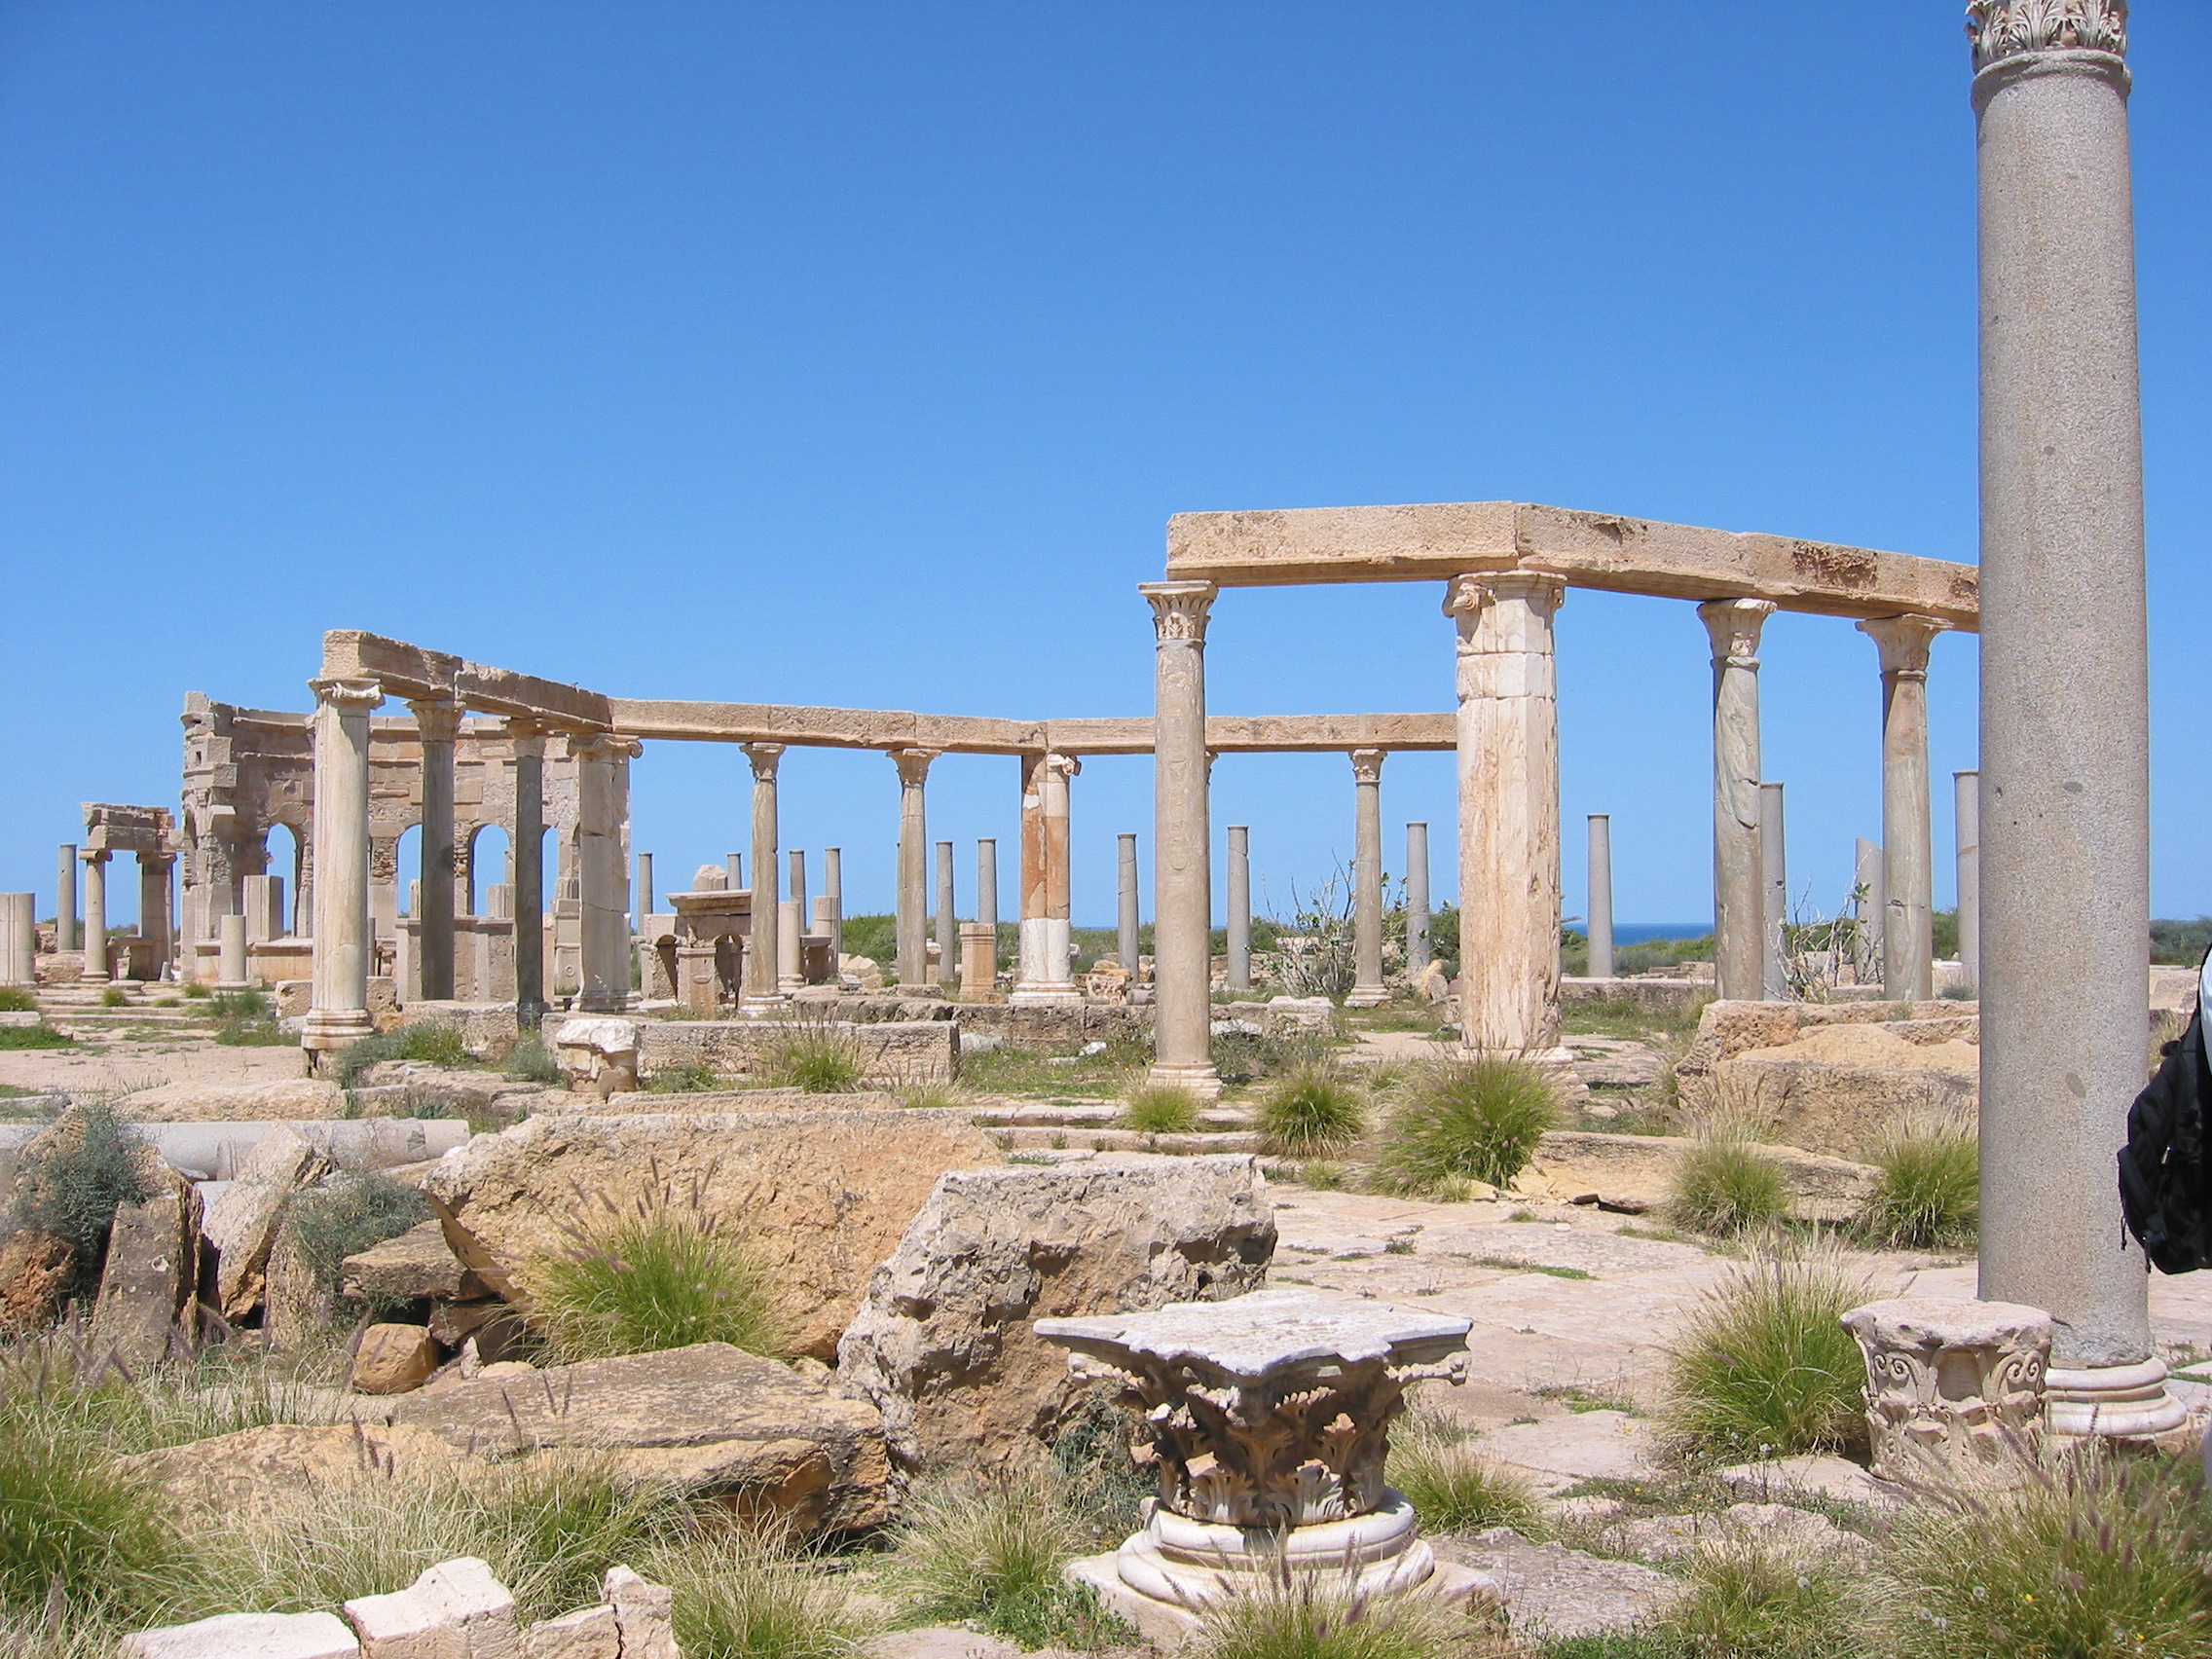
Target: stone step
1041,1138
1104,1116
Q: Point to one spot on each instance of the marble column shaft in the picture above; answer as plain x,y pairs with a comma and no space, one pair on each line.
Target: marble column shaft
603,813
95,915
1182,899
1774,887
526,852
1418,949
1966,820
1129,924
794,881
1600,896
437,723
833,890
1908,856
643,893
1047,880
913,863
947,920
1739,903
1239,898
1509,829
343,941
1368,989
66,934
764,949
2065,757
987,881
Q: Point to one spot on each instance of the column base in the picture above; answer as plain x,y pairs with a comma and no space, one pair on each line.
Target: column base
1201,1081
1367,996
2120,1402
87,978
1032,993
326,1028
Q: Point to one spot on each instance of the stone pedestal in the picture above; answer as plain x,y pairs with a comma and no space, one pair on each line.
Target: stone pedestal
1954,1390
1738,902
790,971
1182,877
1600,896
978,960
1368,989
343,941
231,973
1269,1418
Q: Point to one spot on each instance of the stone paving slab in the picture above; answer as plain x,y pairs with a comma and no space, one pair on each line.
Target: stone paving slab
1564,1451
1559,1592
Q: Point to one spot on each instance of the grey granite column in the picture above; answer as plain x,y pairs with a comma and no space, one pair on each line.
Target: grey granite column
65,901
437,723
643,898
794,883
947,921
1967,808
1129,924
1908,856
526,852
913,863
763,947
833,890
1182,881
1774,887
339,1014
733,867
1368,989
1600,896
1509,851
602,875
1239,907
1738,902
95,968
1419,950
2065,758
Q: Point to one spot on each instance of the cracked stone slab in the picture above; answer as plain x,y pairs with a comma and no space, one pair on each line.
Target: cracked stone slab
1559,1592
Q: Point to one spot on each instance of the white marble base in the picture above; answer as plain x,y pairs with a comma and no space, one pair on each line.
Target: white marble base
1367,996
1202,1083
2124,1402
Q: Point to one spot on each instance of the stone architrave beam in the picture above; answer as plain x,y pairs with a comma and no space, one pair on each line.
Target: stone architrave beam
413,672
1594,550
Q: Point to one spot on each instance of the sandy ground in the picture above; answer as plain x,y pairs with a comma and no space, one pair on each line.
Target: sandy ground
124,1060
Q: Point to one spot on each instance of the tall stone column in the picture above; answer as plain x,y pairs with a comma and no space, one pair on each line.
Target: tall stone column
157,888
1774,888
1738,902
1182,884
65,901
1368,989
1600,896
343,941
1046,881
946,920
763,943
1240,898
988,901
602,876
1419,950
794,881
1908,856
2065,754
94,970
525,846
833,890
1129,924
1966,814
19,938
437,723
1509,852
913,863
642,895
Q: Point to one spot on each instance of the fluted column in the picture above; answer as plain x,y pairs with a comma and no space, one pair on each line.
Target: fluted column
763,943
1239,899
527,853
1368,989
342,939
1967,822
1739,903
2065,751
913,863
1181,886
1046,881
1509,852
94,970
603,873
1908,856
436,725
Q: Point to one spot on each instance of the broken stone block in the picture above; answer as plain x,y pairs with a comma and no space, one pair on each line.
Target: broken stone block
943,1346
415,1266
295,1301
290,1098
243,1225
709,1417
152,1269
255,1473
34,1273
588,1633
822,1196
456,1611
246,1636
645,1613
391,1359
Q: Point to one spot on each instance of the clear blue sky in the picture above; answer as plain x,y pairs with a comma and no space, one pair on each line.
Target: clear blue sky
857,355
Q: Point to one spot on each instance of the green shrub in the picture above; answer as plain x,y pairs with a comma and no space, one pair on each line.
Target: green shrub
1723,1184
1452,1486
656,1276
1763,1367
433,1045
77,1536
196,990
747,1594
1930,1193
993,1551
1469,1118
240,1005
531,1061
820,1059
1740,1604
91,1164
936,1096
1305,1618
18,999
1099,1483
2100,1554
115,996
682,1079
1312,1110
353,1212
1161,1109
246,1019
32,1036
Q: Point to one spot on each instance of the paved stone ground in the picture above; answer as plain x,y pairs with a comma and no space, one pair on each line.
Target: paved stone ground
139,1055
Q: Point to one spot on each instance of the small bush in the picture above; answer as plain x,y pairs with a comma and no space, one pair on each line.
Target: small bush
115,996
32,1036
1764,1366
18,999
248,1020
992,1552
1302,1617
1745,1603
818,1059
1725,1185
240,1005
1468,1119
2100,1554
196,990
745,1594
683,1080
354,1211
656,1276
76,1535
433,1045
530,1061
1930,1193
1161,1109
1099,1482
935,1095
93,1164
1452,1486
1311,1111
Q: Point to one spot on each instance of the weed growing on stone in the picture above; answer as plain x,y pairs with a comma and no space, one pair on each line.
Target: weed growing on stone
992,1551
115,996
1508,1265
1453,1487
1097,1481
747,1592
18,999
530,1061
1161,1109
433,1045
1477,1120
1930,1193
77,1536
245,1019
936,1097
818,1059
1724,1185
92,1164
1740,1604
682,1079
1325,1176
33,1037
1311,1110
1302,1617
1763,1367
354,1210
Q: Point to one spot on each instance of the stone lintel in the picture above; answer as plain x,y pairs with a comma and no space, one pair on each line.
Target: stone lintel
411,672
962,734
113,829
1593,551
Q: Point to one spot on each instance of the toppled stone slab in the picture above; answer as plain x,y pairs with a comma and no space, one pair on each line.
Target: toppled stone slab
217,1151
241,1225
1636,1172
150,1275
391,1359
415,1266
246,1636
588,1633
820,1196
708,1418
1553,1590
295,1098
257,1472
1726,1029
943,1346
455,1611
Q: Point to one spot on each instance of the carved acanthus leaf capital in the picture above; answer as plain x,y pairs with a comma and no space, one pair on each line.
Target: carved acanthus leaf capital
2008,29
1179,609
1733,625
914,765
765,758
437,720
1466,596
1903,642
1367,764
348,696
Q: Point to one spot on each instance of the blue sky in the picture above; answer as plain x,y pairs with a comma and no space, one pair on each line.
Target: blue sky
857,355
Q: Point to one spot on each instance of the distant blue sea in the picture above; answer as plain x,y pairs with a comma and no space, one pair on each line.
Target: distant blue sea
1636,933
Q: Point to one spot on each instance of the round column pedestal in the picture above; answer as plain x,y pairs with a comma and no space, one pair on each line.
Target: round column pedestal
2124,1402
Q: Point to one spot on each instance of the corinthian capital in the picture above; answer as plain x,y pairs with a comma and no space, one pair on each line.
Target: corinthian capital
1179,609
348,696
1067,765
1367,765
437,720
1903,642
604,745
2008,28
914,765
765,758
1733,625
